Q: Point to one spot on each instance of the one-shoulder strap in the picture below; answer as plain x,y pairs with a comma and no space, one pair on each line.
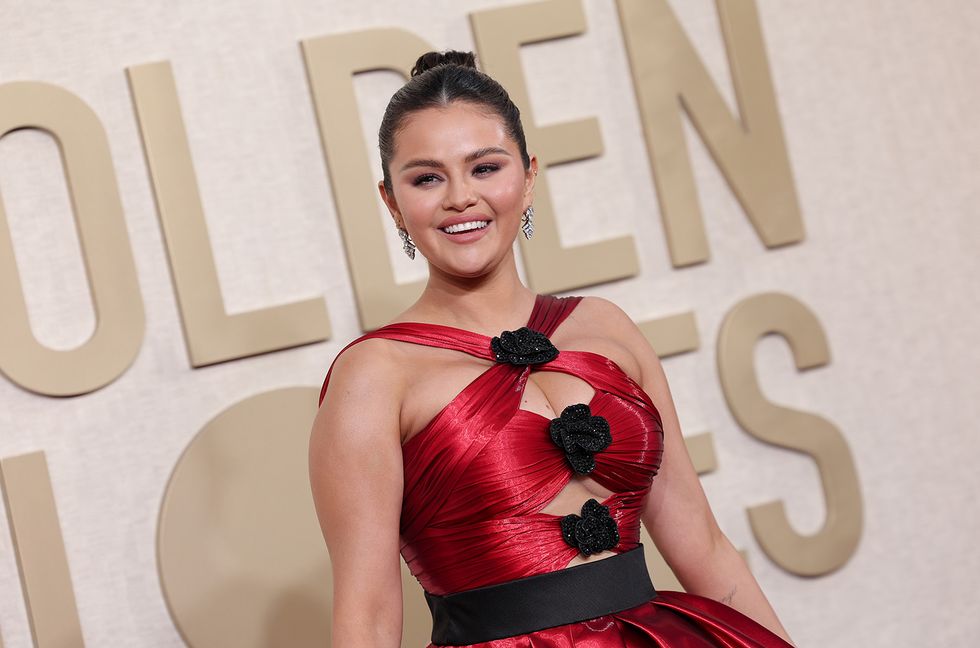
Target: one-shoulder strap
550,311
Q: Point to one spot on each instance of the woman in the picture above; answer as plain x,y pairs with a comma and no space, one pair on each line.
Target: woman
517,501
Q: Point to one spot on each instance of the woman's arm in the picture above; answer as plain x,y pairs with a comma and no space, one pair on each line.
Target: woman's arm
356,478
677,513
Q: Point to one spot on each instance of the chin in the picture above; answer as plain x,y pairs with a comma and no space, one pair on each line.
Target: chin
471,273
469,269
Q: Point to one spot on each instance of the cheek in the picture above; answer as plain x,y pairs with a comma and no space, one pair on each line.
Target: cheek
506,196
418,206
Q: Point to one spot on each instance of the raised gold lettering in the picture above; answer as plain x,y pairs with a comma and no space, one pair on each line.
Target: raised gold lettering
40,551
104,242
550,267
750,150
831,546
331,62
211,334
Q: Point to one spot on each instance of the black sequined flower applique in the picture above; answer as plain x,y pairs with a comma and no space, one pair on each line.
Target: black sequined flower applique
525,346
593,531
580,435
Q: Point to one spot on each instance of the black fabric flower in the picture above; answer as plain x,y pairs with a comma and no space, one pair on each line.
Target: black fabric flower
524,346
593,531
580,435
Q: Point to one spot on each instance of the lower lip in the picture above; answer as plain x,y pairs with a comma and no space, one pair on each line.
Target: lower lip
468,237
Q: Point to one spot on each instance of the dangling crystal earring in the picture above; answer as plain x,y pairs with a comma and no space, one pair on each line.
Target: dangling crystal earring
407,243
527,222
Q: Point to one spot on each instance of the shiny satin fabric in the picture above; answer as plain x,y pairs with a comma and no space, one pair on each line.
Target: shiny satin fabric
478,475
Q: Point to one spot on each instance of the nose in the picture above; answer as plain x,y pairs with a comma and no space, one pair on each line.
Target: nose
459,195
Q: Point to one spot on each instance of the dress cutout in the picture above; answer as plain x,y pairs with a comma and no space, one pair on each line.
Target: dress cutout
479,473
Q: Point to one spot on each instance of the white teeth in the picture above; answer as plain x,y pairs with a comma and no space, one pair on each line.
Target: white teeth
465,227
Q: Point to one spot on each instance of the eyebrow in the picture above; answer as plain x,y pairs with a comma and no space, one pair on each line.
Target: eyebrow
475,155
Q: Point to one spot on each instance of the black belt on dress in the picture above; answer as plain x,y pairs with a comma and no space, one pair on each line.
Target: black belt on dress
542,601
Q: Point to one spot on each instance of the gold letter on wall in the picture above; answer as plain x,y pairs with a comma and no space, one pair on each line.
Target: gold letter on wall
499,34
212,335
331,62
750,151
836,541
103,240
40,550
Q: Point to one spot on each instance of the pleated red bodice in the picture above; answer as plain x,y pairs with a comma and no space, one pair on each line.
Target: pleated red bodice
478,475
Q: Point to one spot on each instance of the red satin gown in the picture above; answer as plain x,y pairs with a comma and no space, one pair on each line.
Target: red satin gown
479,473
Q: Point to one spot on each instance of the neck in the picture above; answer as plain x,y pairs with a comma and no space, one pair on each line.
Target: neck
488,304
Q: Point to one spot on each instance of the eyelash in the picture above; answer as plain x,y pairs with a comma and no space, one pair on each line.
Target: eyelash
488,167
481,169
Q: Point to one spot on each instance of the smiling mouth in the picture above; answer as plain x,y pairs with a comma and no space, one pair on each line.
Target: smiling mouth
469,226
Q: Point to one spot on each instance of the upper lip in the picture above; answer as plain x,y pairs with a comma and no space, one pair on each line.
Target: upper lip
456,220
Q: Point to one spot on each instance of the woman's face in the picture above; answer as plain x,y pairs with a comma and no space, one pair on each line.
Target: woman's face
455,165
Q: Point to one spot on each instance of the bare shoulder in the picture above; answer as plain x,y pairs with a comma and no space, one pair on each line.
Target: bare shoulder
375,361
604,318
602,311
365,390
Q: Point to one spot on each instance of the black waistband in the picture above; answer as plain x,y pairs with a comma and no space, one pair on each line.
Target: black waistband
525,605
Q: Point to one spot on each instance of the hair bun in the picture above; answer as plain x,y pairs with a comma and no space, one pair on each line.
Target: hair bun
430,60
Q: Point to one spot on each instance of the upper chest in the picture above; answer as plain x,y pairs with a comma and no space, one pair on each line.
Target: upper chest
435,378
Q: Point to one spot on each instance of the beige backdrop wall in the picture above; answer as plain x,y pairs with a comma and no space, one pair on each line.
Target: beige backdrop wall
879,107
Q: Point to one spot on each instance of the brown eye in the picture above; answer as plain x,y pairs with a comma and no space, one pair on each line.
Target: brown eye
427,178
484,169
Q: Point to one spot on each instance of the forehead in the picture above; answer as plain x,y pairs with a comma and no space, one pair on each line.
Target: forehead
450,131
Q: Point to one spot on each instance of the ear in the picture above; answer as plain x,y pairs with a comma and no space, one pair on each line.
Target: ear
390,203
530,175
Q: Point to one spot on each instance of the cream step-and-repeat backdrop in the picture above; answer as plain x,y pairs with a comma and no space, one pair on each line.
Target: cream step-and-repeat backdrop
782,194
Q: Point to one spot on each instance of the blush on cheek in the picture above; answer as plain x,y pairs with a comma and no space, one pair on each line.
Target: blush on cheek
505,199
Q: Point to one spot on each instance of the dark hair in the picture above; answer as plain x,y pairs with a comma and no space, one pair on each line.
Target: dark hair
438,79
